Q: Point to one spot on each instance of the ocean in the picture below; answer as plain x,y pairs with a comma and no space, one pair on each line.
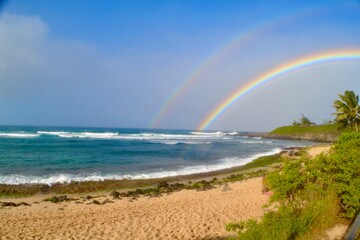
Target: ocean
63,154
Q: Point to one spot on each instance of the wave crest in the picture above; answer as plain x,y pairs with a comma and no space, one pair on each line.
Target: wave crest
16,179
19,135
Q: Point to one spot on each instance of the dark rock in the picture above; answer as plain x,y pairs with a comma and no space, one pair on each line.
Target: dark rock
36,202
23,204
8,204
45,188
63,198
106,201
115,195
56,199
96,202
123,194
53,199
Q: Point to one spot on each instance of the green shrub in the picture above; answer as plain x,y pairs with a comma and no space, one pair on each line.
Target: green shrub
309,194
288,222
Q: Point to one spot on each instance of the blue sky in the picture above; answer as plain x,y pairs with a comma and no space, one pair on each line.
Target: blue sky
114,63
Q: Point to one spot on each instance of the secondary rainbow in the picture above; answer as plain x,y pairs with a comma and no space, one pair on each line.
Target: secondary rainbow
298,64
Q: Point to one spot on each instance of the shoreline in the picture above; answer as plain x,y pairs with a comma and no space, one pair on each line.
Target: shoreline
259,166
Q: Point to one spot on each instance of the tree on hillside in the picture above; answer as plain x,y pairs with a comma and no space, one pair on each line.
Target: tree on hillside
348,110
304,121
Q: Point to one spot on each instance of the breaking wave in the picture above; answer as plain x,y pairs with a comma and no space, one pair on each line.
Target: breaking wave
136,136
224,163
19,135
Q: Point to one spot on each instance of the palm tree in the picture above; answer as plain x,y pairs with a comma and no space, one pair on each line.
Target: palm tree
348,110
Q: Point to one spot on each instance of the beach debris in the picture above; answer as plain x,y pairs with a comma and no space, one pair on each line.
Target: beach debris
36,202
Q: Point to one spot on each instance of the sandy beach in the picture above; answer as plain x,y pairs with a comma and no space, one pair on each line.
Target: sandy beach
188,214
185,214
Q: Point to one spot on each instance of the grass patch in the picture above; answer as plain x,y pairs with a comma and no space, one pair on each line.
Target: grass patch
322,133
298,130
263,162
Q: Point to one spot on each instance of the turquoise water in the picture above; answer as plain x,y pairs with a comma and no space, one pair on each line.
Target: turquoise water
62,154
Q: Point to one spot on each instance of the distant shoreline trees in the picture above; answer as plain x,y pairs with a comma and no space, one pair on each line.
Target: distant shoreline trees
304,121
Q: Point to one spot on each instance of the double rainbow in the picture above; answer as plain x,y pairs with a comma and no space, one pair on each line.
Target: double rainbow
227,48
298,64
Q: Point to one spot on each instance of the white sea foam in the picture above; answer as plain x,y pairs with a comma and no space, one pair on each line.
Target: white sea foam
233,133
98,135
66,178
105,135
19,135
258,142
218,133
135,136
174,142
49,133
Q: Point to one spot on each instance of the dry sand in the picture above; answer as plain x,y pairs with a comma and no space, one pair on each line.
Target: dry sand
187,214
314,151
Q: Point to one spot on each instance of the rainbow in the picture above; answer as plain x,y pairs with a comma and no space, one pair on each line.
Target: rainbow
249,35
298,64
